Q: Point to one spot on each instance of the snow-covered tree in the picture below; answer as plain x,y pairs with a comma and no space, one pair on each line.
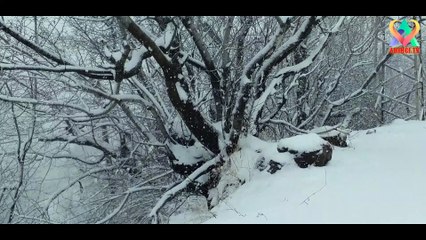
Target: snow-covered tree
141,109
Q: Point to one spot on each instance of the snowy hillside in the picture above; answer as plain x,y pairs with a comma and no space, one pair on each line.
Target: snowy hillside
379,178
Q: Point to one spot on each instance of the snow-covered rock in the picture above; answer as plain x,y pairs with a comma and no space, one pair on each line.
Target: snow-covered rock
307,149
301,143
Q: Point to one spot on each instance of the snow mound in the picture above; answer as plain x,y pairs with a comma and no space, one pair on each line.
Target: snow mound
189,154
243,165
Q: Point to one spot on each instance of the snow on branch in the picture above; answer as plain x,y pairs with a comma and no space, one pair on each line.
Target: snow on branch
261,54
194,119
70,157
116,98
283,21
355,94
306,62
285,72
32,45
43,102
144,37
154,101
393,99
137,124
101,73
202,48
116,211
184,56
309,60
51,56
207,166
92,19
85,141
260,102
131,190
285,49
363,87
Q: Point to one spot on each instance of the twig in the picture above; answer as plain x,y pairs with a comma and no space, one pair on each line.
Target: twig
319,190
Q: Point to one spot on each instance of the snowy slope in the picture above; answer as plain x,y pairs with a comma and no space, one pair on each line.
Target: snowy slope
379,178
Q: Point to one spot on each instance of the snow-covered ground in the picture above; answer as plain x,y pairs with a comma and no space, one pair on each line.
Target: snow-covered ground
379,178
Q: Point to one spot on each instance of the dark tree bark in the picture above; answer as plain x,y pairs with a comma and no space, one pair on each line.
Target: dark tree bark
302,86
194,120
212,71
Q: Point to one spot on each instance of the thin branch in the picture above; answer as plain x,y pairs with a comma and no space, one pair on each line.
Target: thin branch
61,69
116,211
51,56
206,167
60,191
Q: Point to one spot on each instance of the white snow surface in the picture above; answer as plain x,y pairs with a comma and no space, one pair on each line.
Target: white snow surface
379,178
